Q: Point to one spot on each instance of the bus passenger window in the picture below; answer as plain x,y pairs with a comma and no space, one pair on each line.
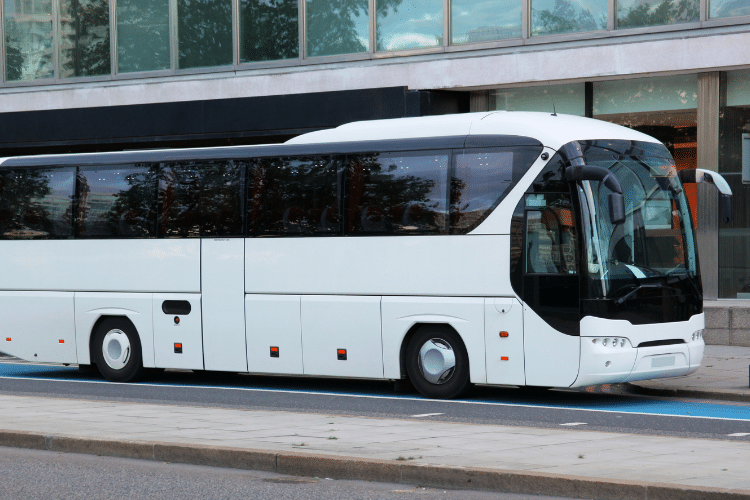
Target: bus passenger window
117,201
36,203
201,198
550,235
294,197
404,193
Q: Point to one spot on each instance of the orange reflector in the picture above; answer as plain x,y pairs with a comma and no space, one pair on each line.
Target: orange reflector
503,358
274,349
62,341
342,351
503,334
178,346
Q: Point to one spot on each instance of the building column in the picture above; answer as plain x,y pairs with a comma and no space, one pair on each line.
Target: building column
712,96
479,100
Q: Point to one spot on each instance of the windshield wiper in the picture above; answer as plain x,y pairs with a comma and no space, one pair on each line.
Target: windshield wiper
632,293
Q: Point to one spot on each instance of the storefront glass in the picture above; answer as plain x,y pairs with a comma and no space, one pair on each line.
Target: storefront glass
28,40
728,8
734,237
142,35
640,13
269,30
414,24
567,99
551,17
204,30
336,27
84,38
485,20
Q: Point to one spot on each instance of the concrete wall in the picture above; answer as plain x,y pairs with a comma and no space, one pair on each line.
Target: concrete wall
727,322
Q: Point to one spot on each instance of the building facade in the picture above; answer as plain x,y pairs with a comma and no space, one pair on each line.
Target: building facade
95,75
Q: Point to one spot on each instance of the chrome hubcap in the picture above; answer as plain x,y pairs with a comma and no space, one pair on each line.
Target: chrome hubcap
437,361
116,349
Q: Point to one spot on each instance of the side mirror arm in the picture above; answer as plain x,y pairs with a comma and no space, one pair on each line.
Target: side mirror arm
601,174
695,176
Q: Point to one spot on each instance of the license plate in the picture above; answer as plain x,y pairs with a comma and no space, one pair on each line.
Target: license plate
661,362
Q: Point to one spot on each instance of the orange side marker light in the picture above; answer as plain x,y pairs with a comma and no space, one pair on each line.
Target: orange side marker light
7,339
62,341
503,334
503,358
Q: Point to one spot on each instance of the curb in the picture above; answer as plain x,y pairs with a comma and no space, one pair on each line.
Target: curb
338,467
718,394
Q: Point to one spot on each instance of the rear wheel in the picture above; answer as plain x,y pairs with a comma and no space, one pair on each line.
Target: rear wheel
437,363
117,350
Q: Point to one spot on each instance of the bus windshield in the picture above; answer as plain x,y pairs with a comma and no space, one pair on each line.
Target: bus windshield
654,248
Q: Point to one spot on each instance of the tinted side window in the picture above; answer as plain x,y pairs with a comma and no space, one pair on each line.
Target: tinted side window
36,203
398,193
482,178
294,197
201,198
117,201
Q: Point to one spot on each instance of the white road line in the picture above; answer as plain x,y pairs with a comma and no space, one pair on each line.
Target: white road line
575,423
427,415
739,434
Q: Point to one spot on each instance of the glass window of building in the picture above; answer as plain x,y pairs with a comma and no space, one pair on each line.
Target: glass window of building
485,20
734,237
639,13
28,40
336,27
568,99
142,35
269,30
204,33
415,24
728,8
84,38
551,17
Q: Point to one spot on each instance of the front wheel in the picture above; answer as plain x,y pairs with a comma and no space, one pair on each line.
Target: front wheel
437,363
117,350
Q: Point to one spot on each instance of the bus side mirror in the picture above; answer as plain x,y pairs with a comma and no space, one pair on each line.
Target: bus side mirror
616,208
591,173
694,176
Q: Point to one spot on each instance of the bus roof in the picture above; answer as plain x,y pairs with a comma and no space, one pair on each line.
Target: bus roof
551,130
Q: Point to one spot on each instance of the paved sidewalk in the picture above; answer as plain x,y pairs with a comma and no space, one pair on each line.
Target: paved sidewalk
585,464
724,374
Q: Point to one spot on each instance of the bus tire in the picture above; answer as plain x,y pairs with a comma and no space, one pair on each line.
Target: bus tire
437,363
117,350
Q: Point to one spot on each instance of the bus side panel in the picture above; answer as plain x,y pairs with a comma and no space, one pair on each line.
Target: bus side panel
178,340
334,323
136,307
38,326
274,334
127,265
504,340
465,315
222,299
552,358
446,266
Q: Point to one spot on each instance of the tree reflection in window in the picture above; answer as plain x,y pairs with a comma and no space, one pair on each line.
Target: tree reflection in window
84,26
36,203
201,198
269,30
294,196
398,194
565,16
117,201
635,13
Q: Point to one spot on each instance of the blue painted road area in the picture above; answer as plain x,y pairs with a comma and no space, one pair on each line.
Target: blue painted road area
583,401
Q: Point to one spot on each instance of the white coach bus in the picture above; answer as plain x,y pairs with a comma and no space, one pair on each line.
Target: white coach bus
484,248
